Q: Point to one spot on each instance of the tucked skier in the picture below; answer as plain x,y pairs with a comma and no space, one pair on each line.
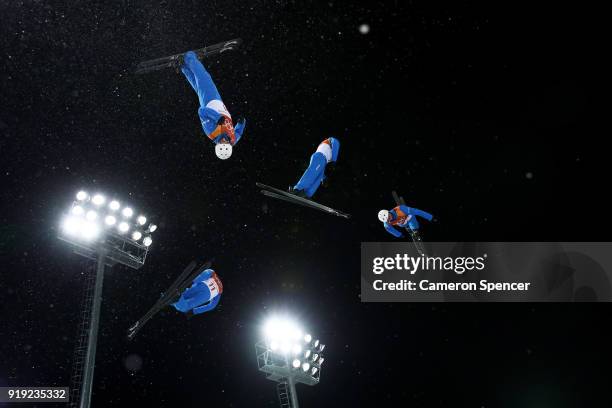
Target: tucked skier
215,118
202,296
195,291
404,217
327,153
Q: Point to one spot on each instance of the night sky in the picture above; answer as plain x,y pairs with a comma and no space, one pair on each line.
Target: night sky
479,112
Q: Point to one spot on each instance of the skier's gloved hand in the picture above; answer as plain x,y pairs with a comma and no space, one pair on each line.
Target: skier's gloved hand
241,123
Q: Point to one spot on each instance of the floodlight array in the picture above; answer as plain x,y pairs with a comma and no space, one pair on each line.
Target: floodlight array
286,338
94,215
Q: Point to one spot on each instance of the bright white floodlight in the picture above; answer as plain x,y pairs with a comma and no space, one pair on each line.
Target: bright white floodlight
142,220
124,227
288,356
285,348
127,212
152,228
281,329
147,241
98,199
71,225
89,227
89,230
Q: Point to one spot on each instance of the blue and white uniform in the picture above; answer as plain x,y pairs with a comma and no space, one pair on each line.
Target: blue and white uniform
327,152
405,217
214,116
202,296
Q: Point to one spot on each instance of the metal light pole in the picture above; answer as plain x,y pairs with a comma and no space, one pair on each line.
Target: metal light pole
90,359
293,392
106,234
288,356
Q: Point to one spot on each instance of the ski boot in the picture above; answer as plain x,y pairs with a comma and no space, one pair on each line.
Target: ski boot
299,193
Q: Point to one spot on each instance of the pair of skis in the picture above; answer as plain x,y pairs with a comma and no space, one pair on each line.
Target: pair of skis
175,61
171,295
414,235
292,198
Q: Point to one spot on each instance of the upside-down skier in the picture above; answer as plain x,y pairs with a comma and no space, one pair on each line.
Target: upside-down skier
327,153
302,192
215,118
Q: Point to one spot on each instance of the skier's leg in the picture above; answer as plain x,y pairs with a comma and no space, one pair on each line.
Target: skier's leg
315,185
192,297
194,292
203,82
313,173
195,301
189,75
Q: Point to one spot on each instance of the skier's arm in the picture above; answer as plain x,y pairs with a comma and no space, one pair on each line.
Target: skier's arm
239,128
416,212
207,307
393,231
422,214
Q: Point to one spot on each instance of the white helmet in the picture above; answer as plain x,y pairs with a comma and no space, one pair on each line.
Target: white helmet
383,215
223,150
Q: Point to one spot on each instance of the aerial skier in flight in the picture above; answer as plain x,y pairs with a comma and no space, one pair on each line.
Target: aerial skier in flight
327,153
302,192
202,296
191,294
404,217
216,120
214,116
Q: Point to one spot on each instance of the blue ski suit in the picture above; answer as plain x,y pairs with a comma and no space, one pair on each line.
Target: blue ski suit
327,152
405,217
212,109
202,296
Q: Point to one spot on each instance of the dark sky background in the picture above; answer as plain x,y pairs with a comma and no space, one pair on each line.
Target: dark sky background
479,112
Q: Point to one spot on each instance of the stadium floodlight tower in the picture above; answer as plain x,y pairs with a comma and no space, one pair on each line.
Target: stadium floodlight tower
103,230
289,355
